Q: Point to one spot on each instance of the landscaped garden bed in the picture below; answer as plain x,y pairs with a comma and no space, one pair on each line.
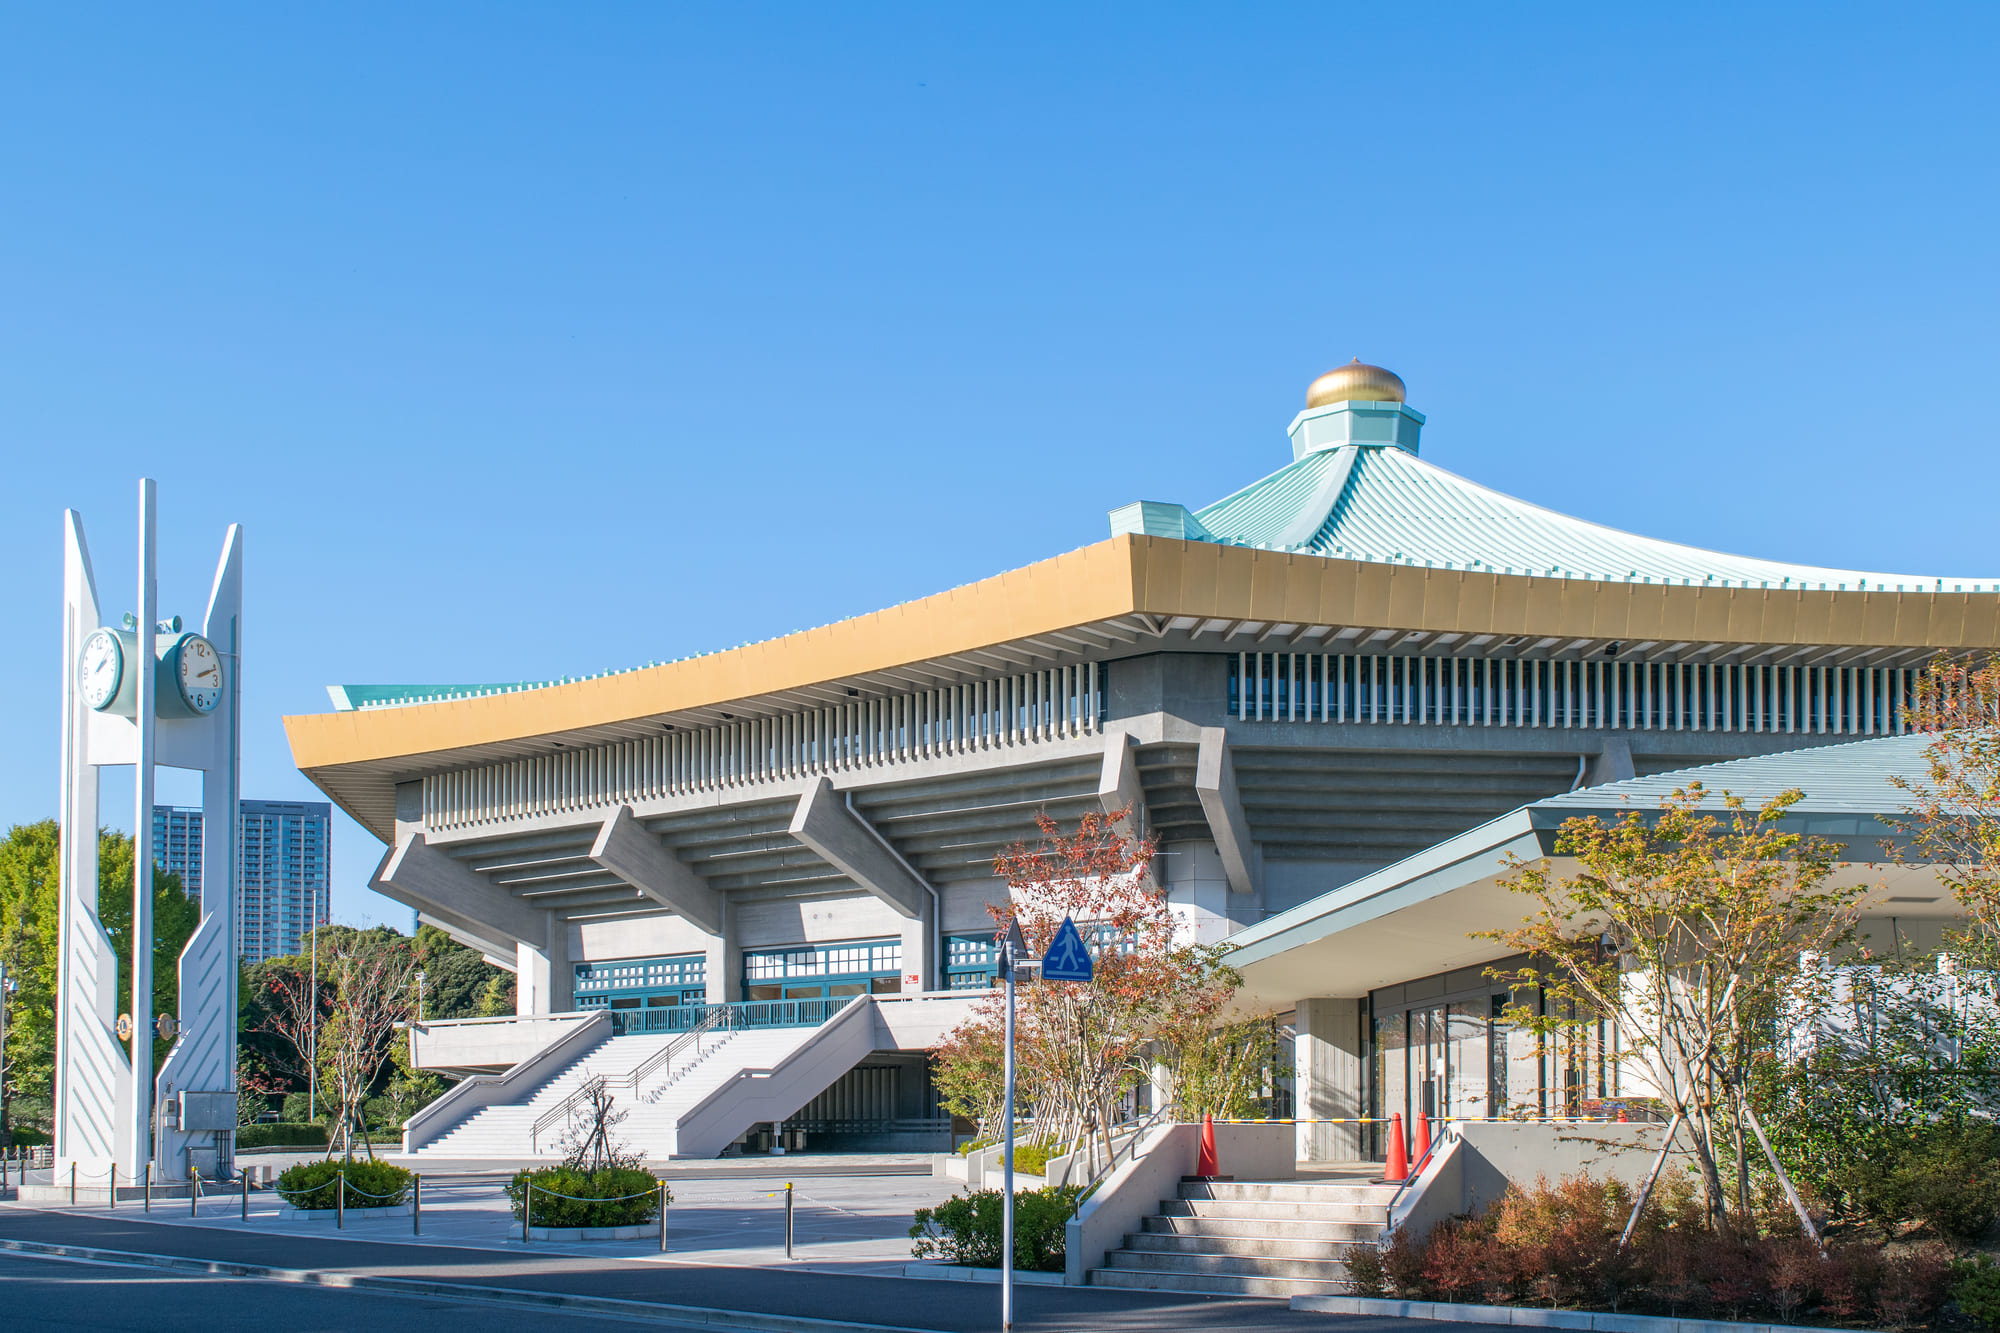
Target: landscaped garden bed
321,1189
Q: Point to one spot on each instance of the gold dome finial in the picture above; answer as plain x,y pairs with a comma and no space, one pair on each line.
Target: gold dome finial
1355,382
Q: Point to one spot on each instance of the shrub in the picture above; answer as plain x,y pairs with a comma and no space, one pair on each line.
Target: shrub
1033,1158
1977,1289
567,1196
1557,1246
297,1109
368,1184
281,1136
965,1229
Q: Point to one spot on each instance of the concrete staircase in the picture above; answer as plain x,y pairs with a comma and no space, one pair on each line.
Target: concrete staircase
653,1110
1284,1238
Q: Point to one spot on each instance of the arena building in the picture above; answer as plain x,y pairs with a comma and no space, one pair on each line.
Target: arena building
1357,660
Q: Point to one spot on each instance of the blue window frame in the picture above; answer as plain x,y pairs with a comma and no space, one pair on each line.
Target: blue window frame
636,983
823,971
972,962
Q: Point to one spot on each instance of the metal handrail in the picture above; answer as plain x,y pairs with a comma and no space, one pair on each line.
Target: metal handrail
1136,1130
1417,1169
718,1017
590,1084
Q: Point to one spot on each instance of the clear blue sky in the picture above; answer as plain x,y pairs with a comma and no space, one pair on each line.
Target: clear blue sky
528,340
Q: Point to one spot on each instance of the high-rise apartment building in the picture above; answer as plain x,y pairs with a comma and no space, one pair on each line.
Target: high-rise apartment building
284,856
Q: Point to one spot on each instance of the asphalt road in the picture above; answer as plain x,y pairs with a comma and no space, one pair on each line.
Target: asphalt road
62,1296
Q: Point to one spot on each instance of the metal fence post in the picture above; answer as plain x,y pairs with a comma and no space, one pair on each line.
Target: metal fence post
111,1187
149,1187
339,1199
788,1219
417,1204
194,1191
72,1182
243,1174
662,1196
527,1210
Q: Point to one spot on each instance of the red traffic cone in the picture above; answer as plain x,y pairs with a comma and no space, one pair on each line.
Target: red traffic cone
1423,1144
1399,1159
1205,1165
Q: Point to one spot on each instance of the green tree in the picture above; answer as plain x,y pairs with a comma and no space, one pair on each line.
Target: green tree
29,911
455,976
29,902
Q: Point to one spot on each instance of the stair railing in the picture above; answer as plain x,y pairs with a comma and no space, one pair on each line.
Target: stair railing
562,1112
718,1016
1132,1132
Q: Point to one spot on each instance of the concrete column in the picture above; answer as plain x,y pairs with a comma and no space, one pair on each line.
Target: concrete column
920,961
1329,1078
725,960
544,980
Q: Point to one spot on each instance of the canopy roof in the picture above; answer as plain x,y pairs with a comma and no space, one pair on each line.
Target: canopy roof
1420,914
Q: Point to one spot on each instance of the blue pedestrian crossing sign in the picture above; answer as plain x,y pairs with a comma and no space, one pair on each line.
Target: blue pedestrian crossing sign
1067,959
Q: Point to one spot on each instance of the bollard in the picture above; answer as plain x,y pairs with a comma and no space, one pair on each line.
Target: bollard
340,1200
194,1191
527,1210
788,1219
72,1183
662,1195
111,1187
244,1175
149,1187
417,1204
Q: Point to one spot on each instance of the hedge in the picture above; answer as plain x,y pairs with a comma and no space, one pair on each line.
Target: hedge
965,1229
281,1136
595,1200
368,1184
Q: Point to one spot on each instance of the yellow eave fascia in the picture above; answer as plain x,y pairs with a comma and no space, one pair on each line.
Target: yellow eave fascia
1162,577
1094,583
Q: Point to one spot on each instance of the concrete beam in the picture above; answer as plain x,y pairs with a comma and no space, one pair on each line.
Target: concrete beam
851,845
418,875
625,849
1118,786
1215,784
498,952
1612,764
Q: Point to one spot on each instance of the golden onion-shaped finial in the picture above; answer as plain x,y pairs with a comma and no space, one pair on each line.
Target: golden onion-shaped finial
1355,382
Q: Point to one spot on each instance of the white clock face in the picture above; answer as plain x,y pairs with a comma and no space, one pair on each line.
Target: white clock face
200,674
99,668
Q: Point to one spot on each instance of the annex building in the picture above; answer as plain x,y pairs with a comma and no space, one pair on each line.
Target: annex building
1303,690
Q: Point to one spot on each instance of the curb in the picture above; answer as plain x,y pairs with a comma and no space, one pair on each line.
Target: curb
1522,1316
542,1300
961,1273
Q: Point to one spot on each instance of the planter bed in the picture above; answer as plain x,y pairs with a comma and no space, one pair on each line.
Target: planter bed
633,1232
287,1213
1527,1316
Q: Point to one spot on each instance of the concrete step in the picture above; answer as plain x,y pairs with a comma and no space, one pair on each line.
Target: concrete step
1150,1242
1228,1265
1274,1212
1251,1228
1215,1284
1287,1192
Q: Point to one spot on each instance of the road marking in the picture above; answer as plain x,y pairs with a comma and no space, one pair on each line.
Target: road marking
648,1311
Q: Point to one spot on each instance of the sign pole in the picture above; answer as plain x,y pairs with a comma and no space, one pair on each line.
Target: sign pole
1007,1155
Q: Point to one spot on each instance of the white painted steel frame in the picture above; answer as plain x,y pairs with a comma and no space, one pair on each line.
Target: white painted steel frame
1598,694
1029,708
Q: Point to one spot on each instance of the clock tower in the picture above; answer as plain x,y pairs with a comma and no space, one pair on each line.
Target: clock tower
147,693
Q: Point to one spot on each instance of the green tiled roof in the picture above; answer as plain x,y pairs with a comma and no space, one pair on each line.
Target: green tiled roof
1854,778
1387,505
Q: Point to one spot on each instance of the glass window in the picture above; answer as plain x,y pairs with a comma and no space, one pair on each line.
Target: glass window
1392,1070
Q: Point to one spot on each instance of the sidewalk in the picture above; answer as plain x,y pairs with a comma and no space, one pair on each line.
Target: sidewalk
541,1271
